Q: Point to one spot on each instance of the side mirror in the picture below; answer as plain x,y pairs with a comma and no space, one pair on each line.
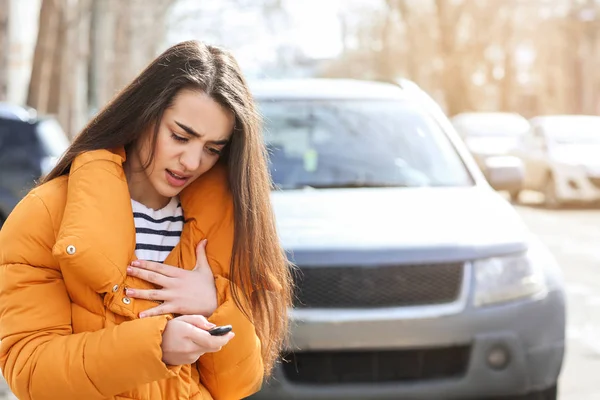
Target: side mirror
504,172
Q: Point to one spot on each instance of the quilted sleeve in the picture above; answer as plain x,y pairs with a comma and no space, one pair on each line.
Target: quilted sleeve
40,356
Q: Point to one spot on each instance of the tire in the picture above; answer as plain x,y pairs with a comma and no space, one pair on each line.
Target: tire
551,200
548,394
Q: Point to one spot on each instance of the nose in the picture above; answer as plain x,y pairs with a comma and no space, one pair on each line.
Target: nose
190,159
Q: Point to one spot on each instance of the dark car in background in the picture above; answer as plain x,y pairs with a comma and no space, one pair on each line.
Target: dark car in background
415,279
30,146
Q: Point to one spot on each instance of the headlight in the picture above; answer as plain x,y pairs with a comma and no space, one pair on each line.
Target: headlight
502,279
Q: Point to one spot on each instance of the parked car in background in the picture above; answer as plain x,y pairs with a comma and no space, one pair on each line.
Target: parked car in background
30,146
561,158
491,134
415,279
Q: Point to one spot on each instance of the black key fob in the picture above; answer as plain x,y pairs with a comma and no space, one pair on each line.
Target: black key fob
220,330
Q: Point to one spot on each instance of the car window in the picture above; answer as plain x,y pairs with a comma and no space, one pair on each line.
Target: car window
574,130
52,137
358,143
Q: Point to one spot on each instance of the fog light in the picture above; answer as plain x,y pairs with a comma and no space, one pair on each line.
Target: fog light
498,357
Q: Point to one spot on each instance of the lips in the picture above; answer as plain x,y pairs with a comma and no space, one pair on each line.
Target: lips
178,175
176,179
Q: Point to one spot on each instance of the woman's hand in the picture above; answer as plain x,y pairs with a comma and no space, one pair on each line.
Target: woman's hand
185,339
181,292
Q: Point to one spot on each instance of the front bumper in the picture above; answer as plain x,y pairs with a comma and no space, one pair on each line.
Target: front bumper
532,331
576,185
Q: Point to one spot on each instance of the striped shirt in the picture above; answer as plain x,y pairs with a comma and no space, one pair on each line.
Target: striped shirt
157,232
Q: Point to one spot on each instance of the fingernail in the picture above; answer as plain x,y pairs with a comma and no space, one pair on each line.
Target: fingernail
129,270
129,292
210,325
142,315
135,263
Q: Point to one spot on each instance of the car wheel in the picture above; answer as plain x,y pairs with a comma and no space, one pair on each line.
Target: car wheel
548,394
551,199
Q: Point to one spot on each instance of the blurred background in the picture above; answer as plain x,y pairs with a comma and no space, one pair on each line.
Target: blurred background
515,77
68,57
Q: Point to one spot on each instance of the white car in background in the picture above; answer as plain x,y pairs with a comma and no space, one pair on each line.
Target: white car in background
489,135
561,156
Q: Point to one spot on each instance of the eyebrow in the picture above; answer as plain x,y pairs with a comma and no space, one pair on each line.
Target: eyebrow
196,134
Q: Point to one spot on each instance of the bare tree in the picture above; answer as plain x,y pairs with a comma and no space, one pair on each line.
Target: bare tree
60,62
4,48
43,58
87,50
124,37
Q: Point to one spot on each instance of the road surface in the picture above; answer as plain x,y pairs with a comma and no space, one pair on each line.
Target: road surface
573,236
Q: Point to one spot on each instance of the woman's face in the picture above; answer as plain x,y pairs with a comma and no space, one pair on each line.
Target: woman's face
191,137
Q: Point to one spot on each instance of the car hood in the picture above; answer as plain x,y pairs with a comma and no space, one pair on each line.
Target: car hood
423,223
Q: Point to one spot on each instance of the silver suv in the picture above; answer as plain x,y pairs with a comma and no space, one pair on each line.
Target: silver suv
416,280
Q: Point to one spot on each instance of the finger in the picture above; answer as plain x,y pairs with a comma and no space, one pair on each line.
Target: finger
155,311
163,269
198,321
148,294
217,342
210,343
149,276
201,260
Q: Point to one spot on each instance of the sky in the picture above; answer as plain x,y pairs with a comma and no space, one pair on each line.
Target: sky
312,25
316,27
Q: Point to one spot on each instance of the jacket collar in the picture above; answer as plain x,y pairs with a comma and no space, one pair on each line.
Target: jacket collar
98,223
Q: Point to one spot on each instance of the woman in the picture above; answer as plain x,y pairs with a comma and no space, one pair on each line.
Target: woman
97,304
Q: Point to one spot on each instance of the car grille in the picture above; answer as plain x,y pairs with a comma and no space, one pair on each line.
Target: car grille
346,367
381,286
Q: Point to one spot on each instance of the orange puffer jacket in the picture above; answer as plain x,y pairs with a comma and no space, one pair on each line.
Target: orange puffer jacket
68,331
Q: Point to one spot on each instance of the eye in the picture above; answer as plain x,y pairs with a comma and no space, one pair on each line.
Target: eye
214,151
178,138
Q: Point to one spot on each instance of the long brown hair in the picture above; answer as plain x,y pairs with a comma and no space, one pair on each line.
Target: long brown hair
258,265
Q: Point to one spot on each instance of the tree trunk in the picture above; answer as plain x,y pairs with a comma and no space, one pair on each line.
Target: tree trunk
411,36
507,83
456,89
4,48
59,81
73,91
122,50
43,58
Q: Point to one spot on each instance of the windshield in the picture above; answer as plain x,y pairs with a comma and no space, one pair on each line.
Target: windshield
328,144
576,130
